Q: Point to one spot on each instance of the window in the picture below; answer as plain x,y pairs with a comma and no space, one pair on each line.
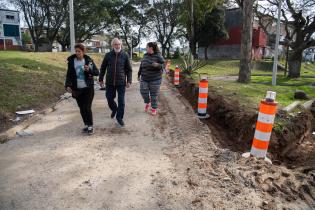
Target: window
10,17
11,30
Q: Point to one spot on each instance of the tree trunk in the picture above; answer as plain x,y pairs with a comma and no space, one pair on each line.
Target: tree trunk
206,53
163,50
50,46
286,61
168,52
294,62
246,43
193,48
36,45
63,46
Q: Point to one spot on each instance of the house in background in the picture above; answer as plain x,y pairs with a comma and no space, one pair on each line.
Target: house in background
231,48
99,43
10,33
309,54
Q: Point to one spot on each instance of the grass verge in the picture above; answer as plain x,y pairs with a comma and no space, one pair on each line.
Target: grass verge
31,80
223,75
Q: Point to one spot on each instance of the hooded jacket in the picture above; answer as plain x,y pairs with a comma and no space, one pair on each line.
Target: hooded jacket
71,78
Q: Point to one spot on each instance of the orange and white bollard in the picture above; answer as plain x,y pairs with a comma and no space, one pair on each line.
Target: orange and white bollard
266,117
176,76
167,66
203,98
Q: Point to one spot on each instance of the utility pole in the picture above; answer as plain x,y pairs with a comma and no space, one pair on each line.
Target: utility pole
276,54
131,49
192,39
72,35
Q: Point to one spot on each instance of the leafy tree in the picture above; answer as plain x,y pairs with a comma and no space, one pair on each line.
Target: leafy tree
91,18
34,16
298,20
211,28
193,15
56,12
164,22
128,20
26,39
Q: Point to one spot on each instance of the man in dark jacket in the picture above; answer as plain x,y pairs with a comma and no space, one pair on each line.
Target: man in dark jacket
116,66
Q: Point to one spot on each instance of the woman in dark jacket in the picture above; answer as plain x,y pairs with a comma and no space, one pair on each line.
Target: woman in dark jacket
150,76
80,83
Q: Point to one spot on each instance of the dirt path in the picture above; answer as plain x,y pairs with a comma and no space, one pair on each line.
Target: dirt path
164,162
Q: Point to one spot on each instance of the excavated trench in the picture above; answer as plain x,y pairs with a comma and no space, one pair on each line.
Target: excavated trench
292,143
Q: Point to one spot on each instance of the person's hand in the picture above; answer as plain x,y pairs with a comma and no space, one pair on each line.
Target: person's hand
69,89
86,68
128,85
101,83
154,64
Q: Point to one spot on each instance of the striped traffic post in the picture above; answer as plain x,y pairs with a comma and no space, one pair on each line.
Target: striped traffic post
203,97
167,66
176,76
266,117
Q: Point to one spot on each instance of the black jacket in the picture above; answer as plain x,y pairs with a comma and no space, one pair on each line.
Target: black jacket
117,68
71,78
147,71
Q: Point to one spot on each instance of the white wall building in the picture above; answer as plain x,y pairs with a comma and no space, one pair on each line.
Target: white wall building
10,33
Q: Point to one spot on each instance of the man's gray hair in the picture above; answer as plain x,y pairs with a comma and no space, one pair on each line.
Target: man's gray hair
116,40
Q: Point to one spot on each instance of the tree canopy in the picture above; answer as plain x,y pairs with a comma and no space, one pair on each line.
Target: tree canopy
298,21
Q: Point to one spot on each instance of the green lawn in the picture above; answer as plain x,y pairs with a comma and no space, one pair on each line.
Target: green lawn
261,81
31,80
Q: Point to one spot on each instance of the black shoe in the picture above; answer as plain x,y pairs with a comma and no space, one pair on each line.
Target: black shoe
85,130
121,123
113,115
90,131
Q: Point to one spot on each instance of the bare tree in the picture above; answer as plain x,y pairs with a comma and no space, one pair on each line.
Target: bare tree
164,21
56,12
298,20
3,4
128,20
34,16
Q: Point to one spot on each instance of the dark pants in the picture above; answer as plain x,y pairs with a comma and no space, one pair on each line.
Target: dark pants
111,95
84,99
150,91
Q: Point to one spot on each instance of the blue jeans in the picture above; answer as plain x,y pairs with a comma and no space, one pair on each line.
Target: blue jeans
111,95
150,91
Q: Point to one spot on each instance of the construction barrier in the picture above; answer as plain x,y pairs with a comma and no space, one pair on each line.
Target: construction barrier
266,116
203,97
176,76
167,66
